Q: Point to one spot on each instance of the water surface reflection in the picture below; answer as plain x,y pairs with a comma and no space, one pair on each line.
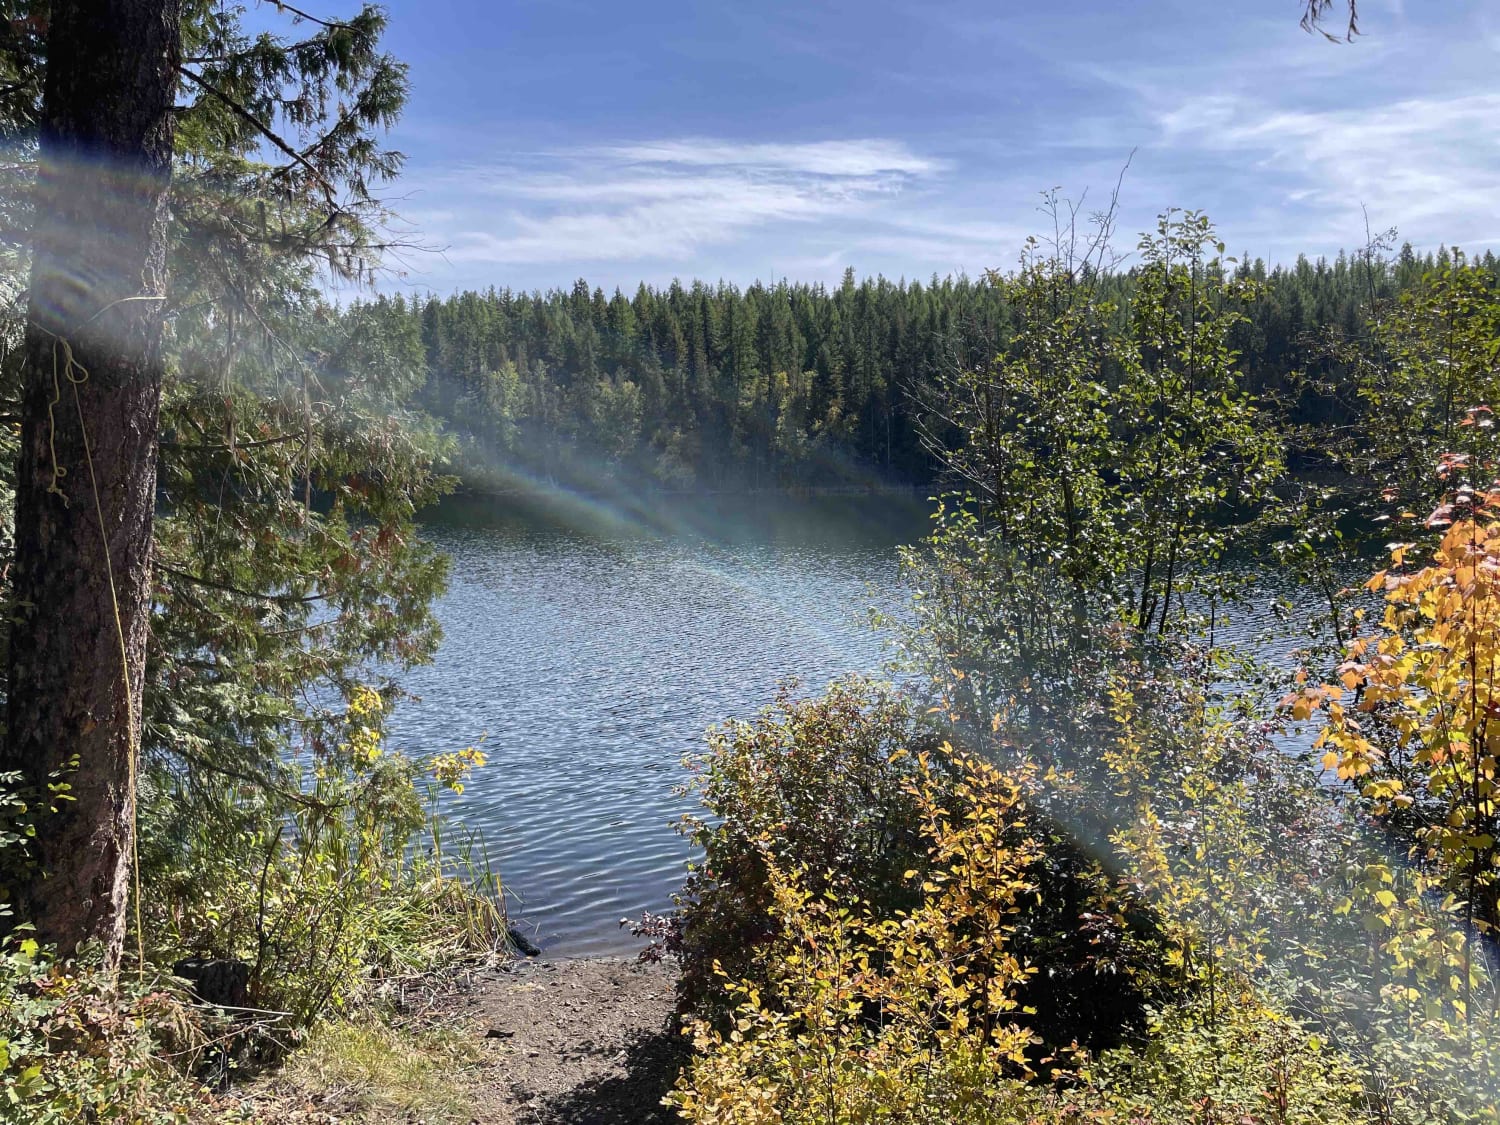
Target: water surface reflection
592,651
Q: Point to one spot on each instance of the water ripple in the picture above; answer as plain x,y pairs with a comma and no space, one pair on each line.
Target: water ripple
592,664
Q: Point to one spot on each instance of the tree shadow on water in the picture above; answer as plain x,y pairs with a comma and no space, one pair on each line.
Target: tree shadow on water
651,1065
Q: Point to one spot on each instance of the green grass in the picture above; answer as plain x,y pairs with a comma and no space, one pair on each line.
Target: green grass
368,1070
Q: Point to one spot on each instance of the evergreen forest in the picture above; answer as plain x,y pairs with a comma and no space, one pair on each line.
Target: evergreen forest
795,386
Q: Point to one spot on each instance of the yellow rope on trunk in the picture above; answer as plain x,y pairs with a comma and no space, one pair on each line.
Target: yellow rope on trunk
58,471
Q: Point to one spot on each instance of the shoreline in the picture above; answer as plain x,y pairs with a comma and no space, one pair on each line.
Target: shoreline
591,1039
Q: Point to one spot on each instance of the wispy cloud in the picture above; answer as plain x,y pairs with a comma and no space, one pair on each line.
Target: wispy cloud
860,158
1430,164
670,198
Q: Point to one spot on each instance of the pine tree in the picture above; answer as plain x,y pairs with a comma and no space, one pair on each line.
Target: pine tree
86,474
272,400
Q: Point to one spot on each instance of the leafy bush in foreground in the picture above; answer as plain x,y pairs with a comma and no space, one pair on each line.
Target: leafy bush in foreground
78,1046
838,788
862,1016
917,1017
820,778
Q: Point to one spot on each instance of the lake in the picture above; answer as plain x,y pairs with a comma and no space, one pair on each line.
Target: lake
591,646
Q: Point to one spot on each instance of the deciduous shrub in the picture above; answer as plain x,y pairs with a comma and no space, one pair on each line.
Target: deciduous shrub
918,1017
1413,729
865,1015
832,788
820,778
77,1046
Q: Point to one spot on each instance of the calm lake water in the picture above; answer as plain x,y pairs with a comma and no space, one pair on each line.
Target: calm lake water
591,650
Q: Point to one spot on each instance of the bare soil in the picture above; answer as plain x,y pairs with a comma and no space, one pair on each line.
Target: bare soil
591,1042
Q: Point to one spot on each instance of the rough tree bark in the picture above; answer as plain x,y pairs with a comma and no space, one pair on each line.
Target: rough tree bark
97,283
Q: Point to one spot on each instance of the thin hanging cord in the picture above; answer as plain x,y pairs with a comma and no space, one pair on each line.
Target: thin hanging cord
133,749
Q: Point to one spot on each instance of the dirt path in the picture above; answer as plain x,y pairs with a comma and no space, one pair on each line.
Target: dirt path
575,1043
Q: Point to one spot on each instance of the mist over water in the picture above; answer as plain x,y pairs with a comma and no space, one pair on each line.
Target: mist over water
591,652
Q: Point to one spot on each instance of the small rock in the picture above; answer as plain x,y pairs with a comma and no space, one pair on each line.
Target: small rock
523,943
499,1033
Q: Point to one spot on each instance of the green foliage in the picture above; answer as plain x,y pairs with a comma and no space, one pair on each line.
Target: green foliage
794,385
76,1045
818,776
1294,971
1245,1062
711,386
1197,445
23,813
1403,385
279,153
322,888
1105,465
287,569
276,828
260,593
1432,359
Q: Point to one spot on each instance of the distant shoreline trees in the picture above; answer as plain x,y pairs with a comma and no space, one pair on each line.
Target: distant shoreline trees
712,387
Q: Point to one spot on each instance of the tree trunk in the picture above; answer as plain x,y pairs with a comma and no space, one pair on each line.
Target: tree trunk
90,408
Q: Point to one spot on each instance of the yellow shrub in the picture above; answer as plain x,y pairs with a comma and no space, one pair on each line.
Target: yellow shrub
916,1018
908,1018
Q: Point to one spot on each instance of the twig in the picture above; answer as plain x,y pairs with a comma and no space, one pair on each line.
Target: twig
225,587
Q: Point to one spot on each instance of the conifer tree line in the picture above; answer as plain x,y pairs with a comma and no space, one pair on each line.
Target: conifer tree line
696,386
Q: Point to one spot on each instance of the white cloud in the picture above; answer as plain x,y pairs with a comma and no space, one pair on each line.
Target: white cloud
1429,164
661,228
856,158
670,198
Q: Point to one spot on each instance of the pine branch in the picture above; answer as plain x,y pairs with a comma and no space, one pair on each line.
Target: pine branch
225,587
332,25
265,131
1312,19
225,448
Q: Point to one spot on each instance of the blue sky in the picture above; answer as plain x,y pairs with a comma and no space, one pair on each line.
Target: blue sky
554,139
